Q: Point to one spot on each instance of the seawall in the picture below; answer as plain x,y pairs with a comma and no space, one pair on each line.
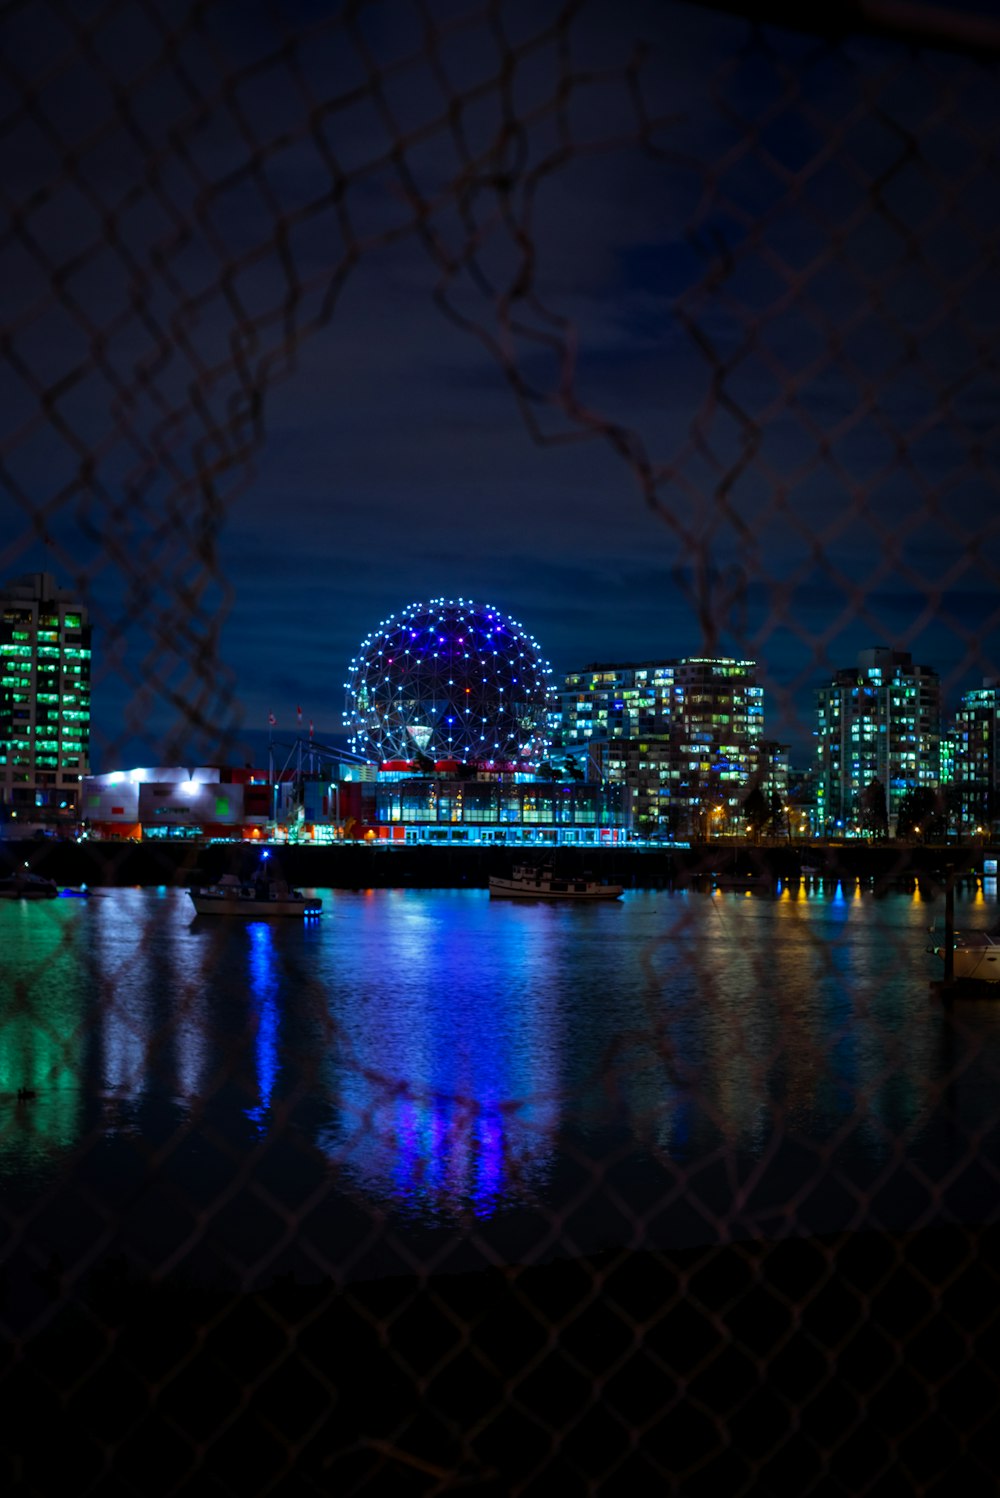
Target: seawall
364,866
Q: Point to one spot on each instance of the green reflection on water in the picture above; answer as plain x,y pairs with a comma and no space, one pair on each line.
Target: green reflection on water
42,1039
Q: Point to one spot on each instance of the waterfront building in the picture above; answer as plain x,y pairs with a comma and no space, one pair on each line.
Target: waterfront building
976,766
450,708
493,809
878,738
684,736
452,704
207,801
44,700
178,803
165,801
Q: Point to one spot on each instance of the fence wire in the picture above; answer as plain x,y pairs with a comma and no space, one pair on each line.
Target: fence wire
705,1201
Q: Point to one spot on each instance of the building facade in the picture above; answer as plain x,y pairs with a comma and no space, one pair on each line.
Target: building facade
44,700
975,764
499,809
878,739
617,702
176,803
684,736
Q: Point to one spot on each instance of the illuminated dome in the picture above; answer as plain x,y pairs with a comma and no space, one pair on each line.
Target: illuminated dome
452,680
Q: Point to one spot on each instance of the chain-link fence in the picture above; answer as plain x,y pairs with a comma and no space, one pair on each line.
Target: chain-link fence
697,1192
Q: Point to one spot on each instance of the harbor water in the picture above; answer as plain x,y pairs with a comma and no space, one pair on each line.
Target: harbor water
430,1080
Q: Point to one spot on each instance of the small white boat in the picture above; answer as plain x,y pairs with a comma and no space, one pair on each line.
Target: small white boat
538,882
253,897
24,885
976,956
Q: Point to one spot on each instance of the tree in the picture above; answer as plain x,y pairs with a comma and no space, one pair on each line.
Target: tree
917,811
756,810
981,809
873,817
573,770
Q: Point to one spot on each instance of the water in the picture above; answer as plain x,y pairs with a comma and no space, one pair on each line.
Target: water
428,1079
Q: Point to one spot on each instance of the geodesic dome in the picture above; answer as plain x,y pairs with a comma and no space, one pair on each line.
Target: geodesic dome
450,679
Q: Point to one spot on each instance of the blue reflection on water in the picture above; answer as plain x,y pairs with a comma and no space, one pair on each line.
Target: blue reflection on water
266,1016
446,1152
447,1064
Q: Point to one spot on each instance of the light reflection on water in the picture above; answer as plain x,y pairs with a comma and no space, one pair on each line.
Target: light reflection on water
445,1071
265,1001
43,1017
448,1057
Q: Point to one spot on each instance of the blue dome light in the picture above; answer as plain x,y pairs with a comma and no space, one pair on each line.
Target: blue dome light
413,711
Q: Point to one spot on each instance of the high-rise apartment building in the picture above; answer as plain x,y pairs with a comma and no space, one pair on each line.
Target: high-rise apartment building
684,735
44,699
976,767
878,724
617,702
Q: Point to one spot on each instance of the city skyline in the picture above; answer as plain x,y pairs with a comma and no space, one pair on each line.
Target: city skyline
397,678
670,748
299,707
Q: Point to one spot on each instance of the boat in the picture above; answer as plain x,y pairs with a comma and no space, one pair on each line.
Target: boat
255,897
24,885
975,956
538,882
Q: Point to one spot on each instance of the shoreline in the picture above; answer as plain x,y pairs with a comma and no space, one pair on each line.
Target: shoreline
381,866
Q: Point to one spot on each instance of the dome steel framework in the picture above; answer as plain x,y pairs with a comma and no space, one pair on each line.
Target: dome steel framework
450,679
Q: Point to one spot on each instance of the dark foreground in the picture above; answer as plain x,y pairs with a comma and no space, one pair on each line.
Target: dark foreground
849,1365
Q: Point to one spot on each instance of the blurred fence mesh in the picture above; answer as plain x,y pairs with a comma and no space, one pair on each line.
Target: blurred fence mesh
187,192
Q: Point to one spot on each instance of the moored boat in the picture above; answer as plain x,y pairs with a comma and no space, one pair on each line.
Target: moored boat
975,957
253,897
24,885
538,882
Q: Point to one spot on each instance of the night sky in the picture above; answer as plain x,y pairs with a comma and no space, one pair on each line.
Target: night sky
661,332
